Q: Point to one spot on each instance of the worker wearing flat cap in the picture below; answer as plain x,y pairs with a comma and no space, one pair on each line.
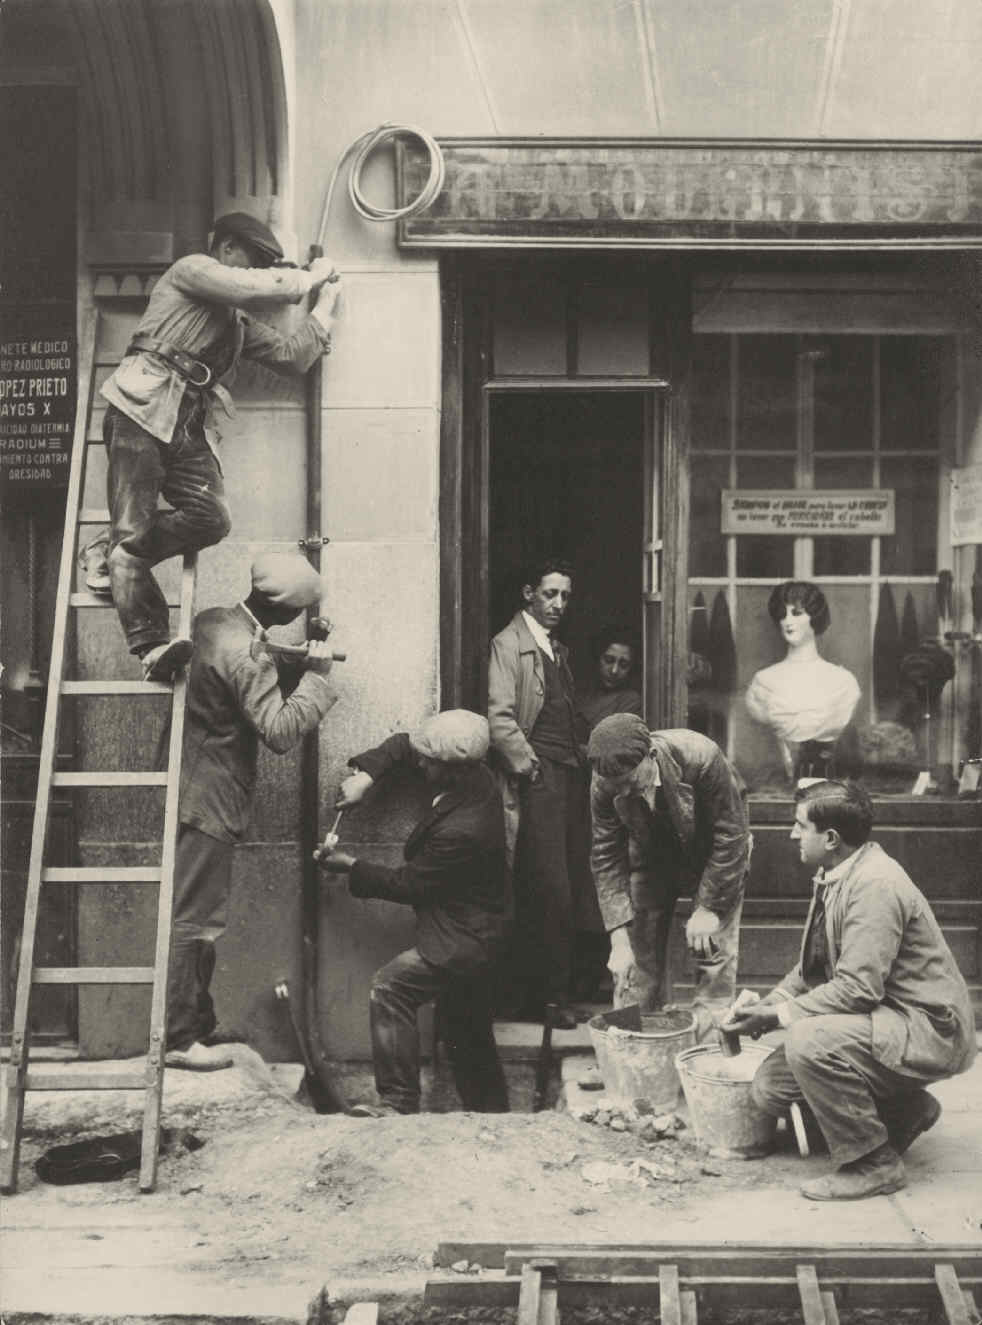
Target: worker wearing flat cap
239,696
164,401
669,820
453,876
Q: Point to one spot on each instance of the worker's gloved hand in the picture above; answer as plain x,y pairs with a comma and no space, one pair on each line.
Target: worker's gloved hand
621,954
318,657
329,304
699,931
334,861
352,789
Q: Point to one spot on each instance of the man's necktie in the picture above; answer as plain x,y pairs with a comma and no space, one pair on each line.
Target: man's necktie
815,961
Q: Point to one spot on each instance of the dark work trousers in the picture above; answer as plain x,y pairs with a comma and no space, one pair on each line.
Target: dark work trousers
544,902
399,990
202,882
185,472
829,1063
648,980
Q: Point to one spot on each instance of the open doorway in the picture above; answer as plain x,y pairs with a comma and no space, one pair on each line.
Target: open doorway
566,476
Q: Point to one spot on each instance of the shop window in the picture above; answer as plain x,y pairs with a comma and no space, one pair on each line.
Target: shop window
791,414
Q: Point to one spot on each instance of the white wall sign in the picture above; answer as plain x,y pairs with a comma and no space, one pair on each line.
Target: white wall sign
966,505
802,512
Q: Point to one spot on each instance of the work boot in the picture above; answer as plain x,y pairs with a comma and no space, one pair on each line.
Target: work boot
92,560
163,661
380,1110
198,1057
876,1174
906,1116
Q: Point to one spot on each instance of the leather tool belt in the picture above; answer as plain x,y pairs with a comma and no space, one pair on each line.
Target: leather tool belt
194,371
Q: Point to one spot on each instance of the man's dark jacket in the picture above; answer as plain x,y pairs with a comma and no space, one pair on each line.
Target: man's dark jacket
454,865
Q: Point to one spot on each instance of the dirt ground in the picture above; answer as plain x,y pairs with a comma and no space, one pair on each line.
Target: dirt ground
274,1181
278,1196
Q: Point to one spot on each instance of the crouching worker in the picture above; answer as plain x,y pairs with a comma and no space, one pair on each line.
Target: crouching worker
238,695
453,876
668,819
875,1009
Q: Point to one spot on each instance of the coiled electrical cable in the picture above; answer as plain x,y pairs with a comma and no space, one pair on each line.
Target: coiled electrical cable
360,150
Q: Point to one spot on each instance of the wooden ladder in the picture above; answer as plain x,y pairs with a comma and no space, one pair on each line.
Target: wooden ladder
18,1079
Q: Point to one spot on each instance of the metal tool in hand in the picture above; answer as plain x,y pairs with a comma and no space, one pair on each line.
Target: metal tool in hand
729,1041
331,839
258,647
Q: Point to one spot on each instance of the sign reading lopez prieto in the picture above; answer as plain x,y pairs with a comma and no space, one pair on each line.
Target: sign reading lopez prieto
37,398
668,193
808,512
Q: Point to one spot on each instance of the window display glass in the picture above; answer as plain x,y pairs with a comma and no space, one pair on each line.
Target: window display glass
824,651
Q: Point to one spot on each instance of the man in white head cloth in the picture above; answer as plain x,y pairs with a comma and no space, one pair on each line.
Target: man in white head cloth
453,876
238,696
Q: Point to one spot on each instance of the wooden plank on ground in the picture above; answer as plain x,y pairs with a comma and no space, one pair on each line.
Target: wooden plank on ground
952,1296
810,1294
669,1299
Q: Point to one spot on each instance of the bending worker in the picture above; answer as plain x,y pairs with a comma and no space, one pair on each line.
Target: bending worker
668,818
160,427
453,876
238,696
875,1009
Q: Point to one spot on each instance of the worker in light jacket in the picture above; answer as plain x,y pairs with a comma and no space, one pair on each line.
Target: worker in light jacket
875,1009
239,697
164,401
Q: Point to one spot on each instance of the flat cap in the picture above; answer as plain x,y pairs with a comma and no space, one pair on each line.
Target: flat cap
618,744
286,579
456,736
259,237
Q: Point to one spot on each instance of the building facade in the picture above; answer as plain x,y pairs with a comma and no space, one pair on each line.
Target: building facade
698,305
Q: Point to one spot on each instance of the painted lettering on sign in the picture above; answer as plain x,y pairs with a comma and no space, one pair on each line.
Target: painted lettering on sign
803,512
37,402
561,191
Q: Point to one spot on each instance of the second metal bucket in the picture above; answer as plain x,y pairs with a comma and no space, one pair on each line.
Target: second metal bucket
636,1054
721,1111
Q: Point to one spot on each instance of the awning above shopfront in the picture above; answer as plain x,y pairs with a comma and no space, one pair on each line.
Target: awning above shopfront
847,69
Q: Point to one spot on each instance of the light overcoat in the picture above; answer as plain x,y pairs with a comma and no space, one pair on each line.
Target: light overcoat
891,962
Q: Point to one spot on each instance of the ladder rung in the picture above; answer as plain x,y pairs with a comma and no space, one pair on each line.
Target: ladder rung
85,1081
116,688
93,975
101,874
115,778
93,515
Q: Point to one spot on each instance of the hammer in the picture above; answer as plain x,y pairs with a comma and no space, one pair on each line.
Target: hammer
260,646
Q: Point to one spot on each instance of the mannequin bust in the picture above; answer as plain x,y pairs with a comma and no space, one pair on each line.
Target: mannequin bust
805,700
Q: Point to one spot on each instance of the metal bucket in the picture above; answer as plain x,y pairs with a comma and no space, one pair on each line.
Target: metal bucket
721,1111
636,1054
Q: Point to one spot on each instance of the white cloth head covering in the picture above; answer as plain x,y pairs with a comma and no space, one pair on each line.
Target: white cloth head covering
454,737
286,579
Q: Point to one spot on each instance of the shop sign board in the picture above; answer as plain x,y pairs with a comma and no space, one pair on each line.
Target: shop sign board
966,505
808,512
677,193
38,367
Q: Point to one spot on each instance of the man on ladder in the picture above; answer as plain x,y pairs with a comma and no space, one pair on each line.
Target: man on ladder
160,429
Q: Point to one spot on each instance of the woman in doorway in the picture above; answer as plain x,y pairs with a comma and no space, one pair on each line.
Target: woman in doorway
615,655
805,700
